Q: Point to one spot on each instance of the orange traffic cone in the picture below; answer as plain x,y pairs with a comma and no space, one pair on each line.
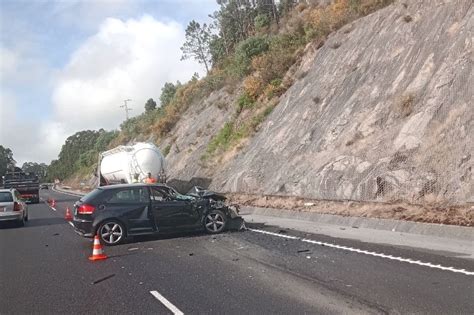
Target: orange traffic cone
68,216
97,253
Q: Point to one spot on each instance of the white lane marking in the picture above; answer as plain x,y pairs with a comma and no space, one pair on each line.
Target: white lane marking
275,234
370,253
54,209
70,223
166,303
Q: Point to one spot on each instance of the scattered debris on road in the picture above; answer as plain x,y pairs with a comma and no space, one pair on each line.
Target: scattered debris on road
103,279
303,251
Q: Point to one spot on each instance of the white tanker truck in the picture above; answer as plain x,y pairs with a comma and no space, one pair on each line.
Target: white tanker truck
123,163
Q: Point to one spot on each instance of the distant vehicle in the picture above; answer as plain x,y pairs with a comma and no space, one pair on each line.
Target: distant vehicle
44,186
122,164
27,184
12,207
119,211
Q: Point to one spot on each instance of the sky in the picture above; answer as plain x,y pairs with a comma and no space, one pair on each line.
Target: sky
68,65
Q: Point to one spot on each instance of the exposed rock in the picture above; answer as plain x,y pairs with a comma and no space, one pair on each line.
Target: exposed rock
388,115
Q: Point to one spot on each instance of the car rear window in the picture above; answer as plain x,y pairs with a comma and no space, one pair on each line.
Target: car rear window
6,197
92,195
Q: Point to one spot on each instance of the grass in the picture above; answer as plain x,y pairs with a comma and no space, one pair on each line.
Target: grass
167,150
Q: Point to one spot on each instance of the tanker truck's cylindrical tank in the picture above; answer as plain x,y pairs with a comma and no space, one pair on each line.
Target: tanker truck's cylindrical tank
122,163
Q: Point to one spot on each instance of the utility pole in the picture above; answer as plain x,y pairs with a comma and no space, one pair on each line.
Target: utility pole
125,106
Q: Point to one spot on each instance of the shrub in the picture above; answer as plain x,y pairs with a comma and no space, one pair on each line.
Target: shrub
167,150
246,49
253,86
274,88
244,101
274,64
261,21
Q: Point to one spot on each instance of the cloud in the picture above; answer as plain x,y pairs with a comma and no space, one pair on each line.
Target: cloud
29,140
124,59
8,63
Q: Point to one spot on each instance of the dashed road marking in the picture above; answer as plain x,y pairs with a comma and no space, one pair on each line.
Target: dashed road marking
70,223
370,253
166,303
54,209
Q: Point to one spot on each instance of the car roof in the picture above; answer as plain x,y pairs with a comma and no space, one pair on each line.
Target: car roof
117,186
7,190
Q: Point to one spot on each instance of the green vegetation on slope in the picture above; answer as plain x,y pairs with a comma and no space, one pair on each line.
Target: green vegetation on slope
6,159
80,153
250,44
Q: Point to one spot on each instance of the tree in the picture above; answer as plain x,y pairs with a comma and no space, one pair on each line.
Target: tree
167,93
33,167
6,160
150,105
197,44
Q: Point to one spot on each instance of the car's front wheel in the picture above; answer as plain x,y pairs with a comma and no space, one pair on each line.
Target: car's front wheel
215,222
111,232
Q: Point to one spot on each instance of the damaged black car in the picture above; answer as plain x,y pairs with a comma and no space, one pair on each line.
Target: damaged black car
117,212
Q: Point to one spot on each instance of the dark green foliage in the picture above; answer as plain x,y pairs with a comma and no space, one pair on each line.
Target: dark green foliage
244,101
6,159
39,169
261,21
167,93
251,47
217,49
103,140
150,105
80,151
245,51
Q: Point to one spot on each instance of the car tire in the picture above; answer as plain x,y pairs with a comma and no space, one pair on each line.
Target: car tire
26,218
21,222
215,222
111,232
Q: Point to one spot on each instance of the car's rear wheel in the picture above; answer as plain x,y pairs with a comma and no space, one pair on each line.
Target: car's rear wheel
111,232
215,222
21,222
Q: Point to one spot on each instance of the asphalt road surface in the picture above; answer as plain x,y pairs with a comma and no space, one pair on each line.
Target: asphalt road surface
44,269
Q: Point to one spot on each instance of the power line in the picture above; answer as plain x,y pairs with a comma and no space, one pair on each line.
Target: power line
125,106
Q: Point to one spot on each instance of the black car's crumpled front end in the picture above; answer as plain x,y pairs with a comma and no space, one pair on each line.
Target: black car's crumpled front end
218,202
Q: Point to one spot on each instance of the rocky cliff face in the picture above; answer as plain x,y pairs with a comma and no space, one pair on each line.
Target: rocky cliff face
383,110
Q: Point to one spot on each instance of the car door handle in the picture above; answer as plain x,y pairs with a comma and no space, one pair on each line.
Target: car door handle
101,207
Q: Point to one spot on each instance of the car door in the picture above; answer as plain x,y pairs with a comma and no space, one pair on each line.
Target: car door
169,212
131,206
